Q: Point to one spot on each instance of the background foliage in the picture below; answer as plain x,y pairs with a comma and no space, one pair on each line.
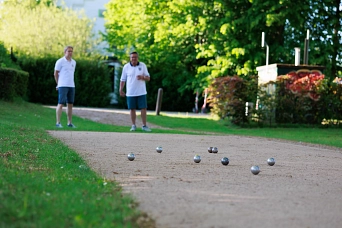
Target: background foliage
187,44
92,81
37,32
13,83
40,28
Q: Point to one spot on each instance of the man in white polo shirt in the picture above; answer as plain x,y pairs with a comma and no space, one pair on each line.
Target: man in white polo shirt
135,75
64,77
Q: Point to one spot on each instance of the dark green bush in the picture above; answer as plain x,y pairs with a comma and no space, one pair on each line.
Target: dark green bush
13,83
92,81
6,58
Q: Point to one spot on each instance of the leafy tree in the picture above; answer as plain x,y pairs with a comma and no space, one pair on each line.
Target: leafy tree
5,58
40,28
223,37
169,55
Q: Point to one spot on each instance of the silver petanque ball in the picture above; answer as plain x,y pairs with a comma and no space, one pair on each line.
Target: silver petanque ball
215,150
131,156
271,161
210,149
225,161
255,170
159,149
197,158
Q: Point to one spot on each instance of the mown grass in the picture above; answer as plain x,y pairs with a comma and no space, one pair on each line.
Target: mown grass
43,183
308,134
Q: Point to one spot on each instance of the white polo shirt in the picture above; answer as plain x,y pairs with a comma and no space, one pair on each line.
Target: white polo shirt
134,87
66,72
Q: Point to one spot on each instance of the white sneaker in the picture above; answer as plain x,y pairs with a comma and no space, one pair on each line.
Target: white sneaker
133,128
145,128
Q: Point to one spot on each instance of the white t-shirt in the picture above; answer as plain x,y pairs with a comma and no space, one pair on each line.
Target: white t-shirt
66,72
134,87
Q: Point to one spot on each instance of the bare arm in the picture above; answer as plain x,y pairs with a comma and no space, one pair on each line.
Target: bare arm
122,85
56,74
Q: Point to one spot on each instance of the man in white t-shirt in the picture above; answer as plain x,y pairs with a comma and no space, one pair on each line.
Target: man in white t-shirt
64,77
135,75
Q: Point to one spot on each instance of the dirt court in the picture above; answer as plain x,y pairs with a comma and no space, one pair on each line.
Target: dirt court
303,188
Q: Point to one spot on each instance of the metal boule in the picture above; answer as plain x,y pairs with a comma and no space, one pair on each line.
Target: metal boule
271,161
255,170
215,150
210,149
225,161
159,149
131,156
197,158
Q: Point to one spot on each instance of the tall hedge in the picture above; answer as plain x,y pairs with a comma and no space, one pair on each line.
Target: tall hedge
92,82
13,83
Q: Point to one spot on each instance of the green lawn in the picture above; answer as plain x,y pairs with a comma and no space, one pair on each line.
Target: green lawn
43,183
307,134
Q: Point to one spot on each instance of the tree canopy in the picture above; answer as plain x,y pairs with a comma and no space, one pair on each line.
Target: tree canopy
41,28
193,42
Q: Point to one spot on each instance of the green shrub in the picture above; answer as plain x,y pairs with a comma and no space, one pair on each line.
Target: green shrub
13,83
228,96
312,100
300,108
5,58
92,81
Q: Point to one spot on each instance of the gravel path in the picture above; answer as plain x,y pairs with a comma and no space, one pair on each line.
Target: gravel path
303,188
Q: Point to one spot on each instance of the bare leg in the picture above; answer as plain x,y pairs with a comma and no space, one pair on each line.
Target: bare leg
133,115
69,113
59,110
143,116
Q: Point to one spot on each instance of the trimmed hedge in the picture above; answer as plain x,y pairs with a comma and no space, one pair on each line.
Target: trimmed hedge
13,83
92,82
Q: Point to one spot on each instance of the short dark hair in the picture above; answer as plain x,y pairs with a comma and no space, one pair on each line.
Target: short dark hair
133,52
66,48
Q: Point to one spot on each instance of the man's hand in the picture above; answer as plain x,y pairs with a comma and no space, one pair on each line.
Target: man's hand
122,93
140,77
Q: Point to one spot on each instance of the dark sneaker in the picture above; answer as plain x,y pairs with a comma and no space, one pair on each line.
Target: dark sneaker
59,125
145,128
133,128
71,125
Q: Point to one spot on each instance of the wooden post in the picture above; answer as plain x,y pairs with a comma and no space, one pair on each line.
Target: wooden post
159,101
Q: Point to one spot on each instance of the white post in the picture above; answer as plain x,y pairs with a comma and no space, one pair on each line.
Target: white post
297,56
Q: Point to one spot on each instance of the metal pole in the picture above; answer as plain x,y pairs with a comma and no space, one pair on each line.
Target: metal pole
307,52
267,54
159,101
263,44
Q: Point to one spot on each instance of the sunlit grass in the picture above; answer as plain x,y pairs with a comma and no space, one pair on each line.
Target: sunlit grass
43,183
296,133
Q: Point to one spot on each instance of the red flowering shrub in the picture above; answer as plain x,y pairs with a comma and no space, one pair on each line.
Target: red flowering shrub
303,83
228,96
